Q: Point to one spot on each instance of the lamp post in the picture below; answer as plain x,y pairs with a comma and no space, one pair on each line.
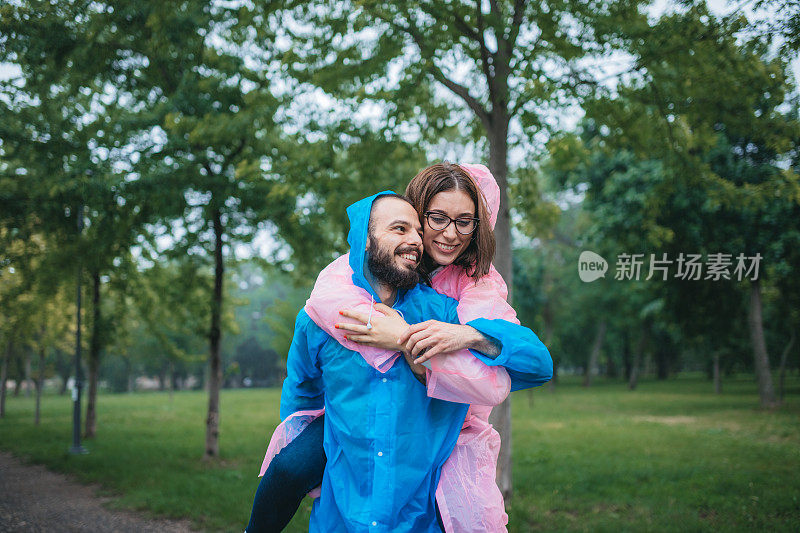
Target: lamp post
76,391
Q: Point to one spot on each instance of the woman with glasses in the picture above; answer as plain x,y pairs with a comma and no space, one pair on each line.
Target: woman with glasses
458,206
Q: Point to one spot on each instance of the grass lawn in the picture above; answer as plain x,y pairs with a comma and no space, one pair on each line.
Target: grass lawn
671,456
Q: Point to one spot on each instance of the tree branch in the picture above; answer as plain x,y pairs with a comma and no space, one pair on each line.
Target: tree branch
451,15
436,72
463,92
501,61
494,7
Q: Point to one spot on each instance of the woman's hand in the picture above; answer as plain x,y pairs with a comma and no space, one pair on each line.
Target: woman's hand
426,339
387,327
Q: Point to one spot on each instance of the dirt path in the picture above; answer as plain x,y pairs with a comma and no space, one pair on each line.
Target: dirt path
34,499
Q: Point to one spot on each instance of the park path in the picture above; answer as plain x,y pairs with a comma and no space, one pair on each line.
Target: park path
33,499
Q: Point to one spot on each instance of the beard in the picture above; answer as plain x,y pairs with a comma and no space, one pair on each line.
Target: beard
382,265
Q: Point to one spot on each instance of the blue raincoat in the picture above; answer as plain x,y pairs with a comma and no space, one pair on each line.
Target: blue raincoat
385,439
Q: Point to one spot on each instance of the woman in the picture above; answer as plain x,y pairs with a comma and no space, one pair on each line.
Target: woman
458,207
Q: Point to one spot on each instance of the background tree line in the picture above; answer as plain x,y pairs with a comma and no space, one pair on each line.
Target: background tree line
211,149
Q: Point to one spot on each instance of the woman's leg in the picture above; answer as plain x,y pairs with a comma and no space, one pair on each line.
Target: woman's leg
293,472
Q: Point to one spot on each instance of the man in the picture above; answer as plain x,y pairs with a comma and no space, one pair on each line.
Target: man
384,438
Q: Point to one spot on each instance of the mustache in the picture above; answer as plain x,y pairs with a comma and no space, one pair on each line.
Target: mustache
407,249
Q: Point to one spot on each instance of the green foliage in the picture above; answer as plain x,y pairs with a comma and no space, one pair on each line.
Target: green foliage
508,54
171,302
693,82
695,152
781,25
280,318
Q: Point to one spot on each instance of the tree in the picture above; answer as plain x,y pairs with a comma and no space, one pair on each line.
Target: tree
721,131
62,145
212,150
37,311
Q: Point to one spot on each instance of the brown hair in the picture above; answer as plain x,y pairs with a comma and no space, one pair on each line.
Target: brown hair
477,257
371,224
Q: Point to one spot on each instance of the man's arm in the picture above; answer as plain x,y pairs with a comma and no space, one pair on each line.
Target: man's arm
303,389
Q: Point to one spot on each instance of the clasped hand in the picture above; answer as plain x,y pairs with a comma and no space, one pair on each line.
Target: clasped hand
419,341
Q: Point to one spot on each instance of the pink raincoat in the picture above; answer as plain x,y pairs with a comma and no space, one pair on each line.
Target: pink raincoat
468,497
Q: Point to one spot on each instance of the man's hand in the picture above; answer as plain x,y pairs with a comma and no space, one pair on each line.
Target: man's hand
386,326
426,339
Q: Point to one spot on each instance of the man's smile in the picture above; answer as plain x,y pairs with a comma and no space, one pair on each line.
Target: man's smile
412,256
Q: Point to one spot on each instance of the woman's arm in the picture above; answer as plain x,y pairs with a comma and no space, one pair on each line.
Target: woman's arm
334,291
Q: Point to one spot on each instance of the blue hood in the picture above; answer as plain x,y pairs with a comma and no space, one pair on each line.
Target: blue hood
358,213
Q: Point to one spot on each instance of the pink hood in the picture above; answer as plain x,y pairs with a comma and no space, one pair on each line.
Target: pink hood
488,186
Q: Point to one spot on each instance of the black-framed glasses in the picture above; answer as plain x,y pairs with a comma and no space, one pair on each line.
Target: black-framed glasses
440,221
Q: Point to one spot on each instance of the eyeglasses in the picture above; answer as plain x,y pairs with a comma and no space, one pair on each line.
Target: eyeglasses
439,222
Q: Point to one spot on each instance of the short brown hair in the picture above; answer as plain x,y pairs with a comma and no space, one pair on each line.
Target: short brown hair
371,224
441,177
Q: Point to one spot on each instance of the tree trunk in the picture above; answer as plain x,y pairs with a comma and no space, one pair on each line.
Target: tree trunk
39,383
4,378
131,377
782,371
633,382
215,335
761,358
28,379
498,165
19,376
627,364
648,364
662,354
95,345
63,370
594,355
717,376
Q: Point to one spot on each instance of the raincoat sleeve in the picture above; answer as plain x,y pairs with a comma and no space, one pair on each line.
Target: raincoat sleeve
303,389
302,396
483,305
462,378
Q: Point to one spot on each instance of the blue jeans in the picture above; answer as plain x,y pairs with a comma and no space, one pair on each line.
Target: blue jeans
291,474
